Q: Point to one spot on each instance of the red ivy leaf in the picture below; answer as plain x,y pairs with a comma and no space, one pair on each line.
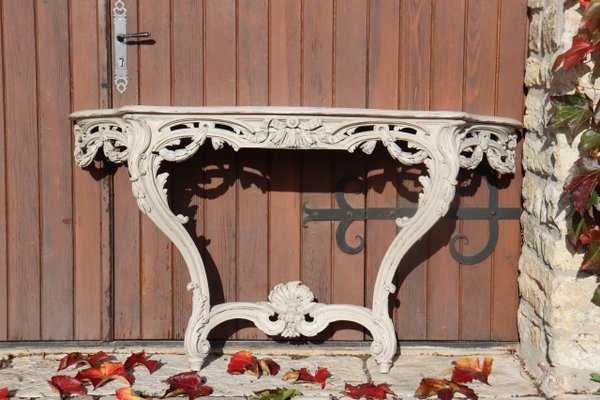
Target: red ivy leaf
443,388
591,260
189,383
585,3
268,366
141,359
4,393
106,372
580,47
243,362
367,390
582,180
66,385
128,393
304,376
93,360
467,369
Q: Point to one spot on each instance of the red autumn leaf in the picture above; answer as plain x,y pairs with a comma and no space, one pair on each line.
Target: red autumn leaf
66,385
585,3
580,47
467,369
128,393
591,260
141,359
304,376
4,393
244,362
582,180
367,390
93,360
268,366
443,388
106,372
241,362
189,383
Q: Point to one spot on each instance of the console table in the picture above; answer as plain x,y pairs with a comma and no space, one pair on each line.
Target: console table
146,136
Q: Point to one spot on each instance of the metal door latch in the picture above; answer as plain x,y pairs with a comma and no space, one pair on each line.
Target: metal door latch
120,42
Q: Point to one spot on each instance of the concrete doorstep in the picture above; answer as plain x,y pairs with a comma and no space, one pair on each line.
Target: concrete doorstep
32,367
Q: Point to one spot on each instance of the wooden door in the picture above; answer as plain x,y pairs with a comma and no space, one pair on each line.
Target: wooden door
80,262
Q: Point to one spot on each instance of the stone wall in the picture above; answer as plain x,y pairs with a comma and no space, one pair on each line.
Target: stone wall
559,327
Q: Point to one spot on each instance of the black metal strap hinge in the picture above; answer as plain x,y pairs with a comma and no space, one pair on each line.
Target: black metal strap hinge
346,215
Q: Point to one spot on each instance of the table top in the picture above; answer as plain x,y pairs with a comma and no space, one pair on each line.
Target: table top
291,111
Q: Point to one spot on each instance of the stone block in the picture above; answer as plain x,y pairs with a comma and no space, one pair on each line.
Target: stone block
571,311
537,157
532,339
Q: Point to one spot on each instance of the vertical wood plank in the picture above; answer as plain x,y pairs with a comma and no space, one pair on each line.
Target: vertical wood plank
3,201
127,251
104,26
252,169
350,68
446,94
509,100
87,272
155,89
284,192
22,186
55,169
22,180
479,98
188,89
317,89
415,83
221,217
381,169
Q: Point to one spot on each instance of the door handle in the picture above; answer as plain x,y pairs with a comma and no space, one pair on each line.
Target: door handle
122,37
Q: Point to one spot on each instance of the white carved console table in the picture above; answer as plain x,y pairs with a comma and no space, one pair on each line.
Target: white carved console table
442,141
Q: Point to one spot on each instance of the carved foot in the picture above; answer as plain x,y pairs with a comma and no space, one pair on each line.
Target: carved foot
196,363
384,367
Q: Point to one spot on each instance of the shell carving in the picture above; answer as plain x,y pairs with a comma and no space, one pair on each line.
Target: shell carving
292,301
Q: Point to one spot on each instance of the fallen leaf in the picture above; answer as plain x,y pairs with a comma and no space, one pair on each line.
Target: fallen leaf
108,371
304,376
268,366
443,388
141,359
127,393
244,362
4,393
467,369
190,383
367,390
93,359
66,385
277,394
5,362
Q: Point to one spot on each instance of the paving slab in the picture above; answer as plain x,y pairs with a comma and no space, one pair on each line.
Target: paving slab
32,367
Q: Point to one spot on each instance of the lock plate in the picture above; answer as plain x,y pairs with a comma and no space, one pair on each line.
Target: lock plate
120,47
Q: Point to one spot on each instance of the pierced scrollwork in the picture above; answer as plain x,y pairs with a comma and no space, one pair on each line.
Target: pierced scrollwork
498,144
109,135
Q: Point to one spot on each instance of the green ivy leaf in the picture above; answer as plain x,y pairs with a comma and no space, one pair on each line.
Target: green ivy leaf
591,260
591,16
578,226
590,141
572,111
277,394
595,376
